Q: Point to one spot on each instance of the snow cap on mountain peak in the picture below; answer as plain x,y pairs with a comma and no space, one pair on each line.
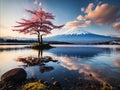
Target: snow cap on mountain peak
78,32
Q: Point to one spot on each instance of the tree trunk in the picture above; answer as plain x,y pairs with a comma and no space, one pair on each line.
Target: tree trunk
40,53
39,38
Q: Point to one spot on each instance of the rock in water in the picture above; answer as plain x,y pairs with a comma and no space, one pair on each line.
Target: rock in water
55,83
14,75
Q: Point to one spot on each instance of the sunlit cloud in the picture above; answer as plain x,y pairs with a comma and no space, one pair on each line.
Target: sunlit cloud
89,8
110,13
95,15
116,25
75,24
80,17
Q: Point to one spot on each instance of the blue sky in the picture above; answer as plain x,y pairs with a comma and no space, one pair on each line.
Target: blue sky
66,12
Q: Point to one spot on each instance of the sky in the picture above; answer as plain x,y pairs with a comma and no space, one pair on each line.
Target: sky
96,16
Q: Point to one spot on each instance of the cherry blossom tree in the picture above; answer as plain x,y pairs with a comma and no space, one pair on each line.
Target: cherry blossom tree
40,24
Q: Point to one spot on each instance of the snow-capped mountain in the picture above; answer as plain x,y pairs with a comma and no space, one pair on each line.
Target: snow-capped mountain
81,37
77,32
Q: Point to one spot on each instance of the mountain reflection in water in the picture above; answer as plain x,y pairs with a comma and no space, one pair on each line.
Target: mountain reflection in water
76,64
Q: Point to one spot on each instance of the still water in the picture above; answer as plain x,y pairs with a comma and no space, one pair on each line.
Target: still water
75,63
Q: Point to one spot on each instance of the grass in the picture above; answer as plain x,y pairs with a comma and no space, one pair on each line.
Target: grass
34,86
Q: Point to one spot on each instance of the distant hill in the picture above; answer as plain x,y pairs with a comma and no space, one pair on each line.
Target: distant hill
1,40
11,41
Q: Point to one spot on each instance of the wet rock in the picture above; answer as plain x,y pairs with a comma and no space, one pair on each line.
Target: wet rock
14,75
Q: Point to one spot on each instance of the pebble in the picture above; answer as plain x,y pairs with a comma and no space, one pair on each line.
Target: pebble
90,75
55,83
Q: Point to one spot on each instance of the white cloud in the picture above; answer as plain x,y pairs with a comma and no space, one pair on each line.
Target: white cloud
82,9
36,1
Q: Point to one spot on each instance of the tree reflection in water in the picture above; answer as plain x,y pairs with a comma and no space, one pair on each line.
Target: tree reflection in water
38,61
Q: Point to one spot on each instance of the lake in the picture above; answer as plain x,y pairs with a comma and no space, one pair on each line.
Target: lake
76,64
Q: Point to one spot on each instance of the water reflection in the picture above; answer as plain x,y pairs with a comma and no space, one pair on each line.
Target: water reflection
117,63
12,47
38,61
96,62
83,52
77,64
